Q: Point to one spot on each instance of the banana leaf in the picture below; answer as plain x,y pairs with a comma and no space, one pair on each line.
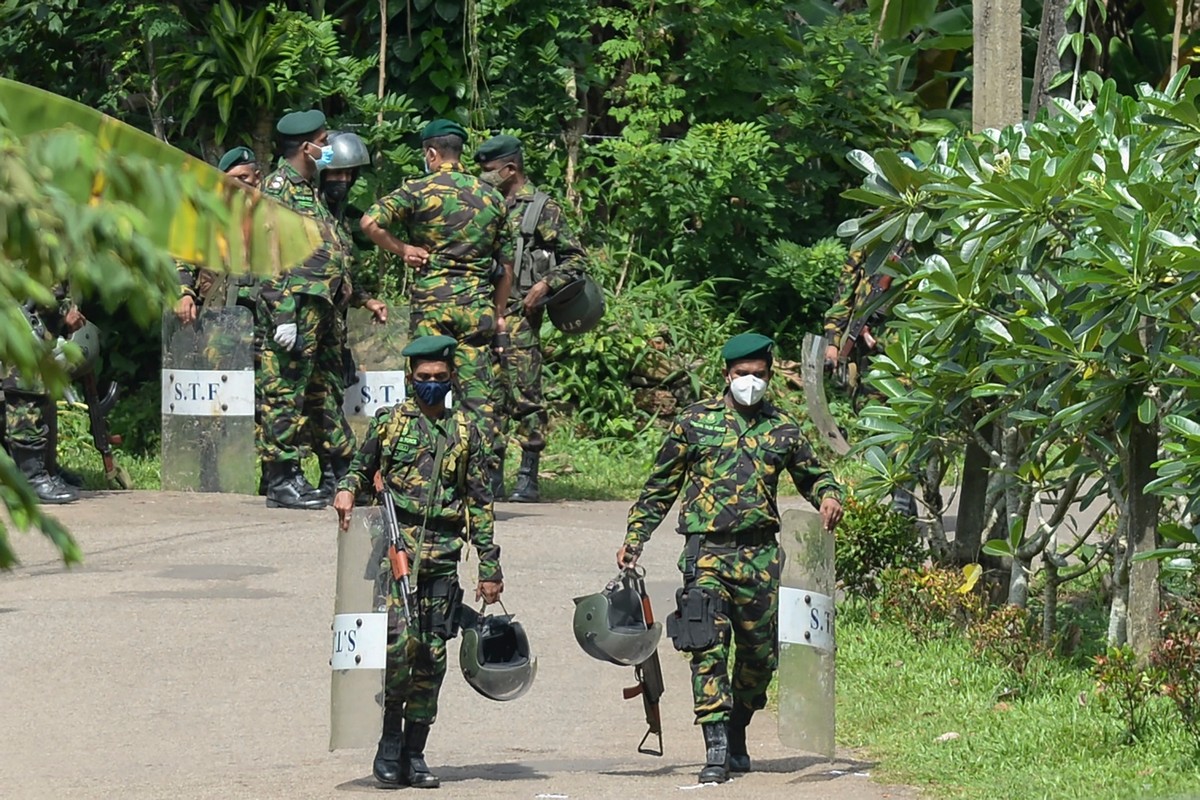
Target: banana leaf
248,233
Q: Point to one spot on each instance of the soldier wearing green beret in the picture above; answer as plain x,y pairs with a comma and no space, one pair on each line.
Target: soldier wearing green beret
303,332
548,257
434,464
453,231
726,456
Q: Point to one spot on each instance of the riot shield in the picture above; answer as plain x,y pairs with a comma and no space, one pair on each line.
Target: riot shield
208,402
806,640
358,659
379,367
812,370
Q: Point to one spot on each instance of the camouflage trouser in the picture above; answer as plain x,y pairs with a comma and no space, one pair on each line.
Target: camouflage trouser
519,398
317,431
472,326
416,663
27,418
303,384
747,581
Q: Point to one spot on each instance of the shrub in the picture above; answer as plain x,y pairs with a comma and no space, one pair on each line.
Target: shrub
932,602
1176,662
1124,687
871,539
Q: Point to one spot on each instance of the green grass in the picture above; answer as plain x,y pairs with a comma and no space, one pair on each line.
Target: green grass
896,696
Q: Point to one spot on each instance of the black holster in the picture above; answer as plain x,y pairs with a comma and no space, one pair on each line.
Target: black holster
693,625
440,601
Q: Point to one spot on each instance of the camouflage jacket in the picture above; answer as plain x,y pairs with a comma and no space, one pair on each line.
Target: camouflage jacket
324,273
854,295
47,324
464,225
355,278
401,443
728,469
552,237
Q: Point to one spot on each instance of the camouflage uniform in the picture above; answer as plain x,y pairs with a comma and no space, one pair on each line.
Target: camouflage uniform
728,468
29,412
554,254
307,382
401,443
463,224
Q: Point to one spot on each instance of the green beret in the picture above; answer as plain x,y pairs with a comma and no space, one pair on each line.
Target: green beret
747,345
496,148
431,347
301,123
443,127
235,158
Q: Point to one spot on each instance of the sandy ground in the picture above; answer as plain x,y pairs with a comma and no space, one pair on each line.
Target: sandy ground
189,658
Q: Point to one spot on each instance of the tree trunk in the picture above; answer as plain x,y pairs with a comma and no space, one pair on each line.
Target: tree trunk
262,138
1143,537
1049,65
380,92
1018,582
996,95
575,130
1050,604
972,506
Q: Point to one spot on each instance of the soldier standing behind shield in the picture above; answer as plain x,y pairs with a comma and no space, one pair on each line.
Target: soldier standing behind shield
550,258
726,456
455,231
434,465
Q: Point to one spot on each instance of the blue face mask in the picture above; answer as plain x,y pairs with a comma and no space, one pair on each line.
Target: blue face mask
432,393
326,157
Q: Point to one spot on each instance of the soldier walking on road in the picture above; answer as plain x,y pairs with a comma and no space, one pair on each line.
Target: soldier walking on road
548,256
302,355
434,465
455,231
726,456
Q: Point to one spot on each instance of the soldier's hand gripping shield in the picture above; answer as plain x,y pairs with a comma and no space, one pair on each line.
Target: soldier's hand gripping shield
376,374
611,625
208,402
360,633
495,657
806,637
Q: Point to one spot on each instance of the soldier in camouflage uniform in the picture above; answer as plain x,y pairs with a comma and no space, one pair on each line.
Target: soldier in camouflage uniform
29,412
197,286
726,456
301,375
434,464
456,232
851,323
550,258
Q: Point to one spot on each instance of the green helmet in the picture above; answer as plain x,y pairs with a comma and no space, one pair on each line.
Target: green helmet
87,339
577,307
495,657
611,626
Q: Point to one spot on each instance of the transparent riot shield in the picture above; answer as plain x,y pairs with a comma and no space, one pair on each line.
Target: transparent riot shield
379,367
806,640
208,402
360,629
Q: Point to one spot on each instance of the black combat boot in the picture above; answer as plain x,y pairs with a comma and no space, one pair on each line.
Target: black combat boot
417,774
333,469
716,761
389,757
526,490
49,488
287,488
739,720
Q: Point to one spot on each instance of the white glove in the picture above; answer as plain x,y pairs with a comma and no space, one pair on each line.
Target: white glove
285,335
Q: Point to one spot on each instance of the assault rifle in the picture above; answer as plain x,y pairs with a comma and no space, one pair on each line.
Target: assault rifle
649,680
881,282
397,553
98,408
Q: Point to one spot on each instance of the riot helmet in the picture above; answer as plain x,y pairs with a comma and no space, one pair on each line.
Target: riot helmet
495,657
611,625
577,307
349,151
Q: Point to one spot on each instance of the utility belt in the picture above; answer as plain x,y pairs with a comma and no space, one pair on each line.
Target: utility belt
755,537
446,527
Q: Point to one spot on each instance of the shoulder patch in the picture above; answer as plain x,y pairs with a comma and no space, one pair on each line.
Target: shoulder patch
276,183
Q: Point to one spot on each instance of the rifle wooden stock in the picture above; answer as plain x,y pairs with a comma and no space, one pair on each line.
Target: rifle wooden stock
855,329
649,686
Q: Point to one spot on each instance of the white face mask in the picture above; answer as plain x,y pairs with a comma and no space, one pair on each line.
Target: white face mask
748,389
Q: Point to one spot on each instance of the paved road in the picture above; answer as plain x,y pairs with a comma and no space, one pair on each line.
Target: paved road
188,658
